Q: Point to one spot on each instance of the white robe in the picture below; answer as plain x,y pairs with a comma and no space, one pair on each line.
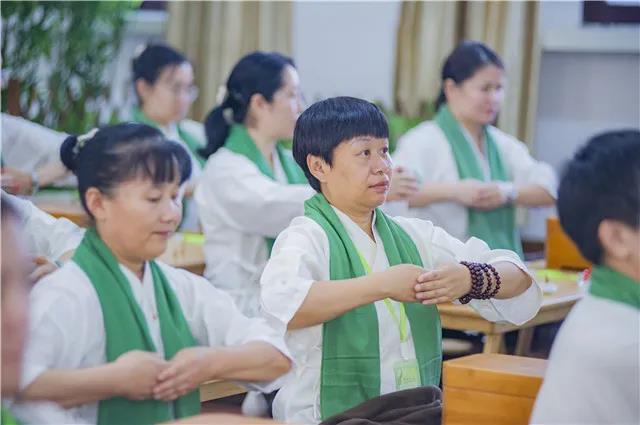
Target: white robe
239,207
45,235
301,257
67,329
425,151
27,146
593,374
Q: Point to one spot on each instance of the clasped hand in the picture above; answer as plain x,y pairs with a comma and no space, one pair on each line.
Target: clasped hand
146,375
410,283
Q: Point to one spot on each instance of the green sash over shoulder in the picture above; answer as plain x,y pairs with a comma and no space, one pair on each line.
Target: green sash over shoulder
239,141
496,227
6,418
193,144
614,286
350,345
126,329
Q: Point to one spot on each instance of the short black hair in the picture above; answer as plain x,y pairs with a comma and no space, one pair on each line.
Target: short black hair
326,124
601,182
149,64
122,152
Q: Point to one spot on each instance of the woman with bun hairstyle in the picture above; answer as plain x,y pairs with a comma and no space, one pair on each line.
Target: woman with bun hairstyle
116,336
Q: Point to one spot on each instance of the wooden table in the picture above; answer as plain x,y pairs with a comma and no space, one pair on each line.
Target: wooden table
222,419
63,204
555,307
186,253
214,390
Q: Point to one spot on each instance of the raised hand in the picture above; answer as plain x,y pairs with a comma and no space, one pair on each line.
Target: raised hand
447,283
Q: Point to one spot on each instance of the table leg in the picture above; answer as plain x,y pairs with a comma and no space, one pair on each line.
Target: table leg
494,343
523,344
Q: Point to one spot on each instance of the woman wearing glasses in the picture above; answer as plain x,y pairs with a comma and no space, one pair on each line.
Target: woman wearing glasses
163,81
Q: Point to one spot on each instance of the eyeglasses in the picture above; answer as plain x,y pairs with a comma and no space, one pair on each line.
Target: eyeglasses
190,91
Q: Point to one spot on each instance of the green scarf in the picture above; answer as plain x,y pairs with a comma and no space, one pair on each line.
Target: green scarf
239,141
6,418
193,144
496,227
126,330
350,347
615,286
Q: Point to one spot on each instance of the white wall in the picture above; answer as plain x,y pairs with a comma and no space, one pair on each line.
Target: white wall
340,48
141,28
346,48
589,82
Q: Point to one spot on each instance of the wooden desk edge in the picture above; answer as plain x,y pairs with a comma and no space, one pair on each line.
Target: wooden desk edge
214,390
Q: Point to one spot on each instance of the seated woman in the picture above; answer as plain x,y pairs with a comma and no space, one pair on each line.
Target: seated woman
251,187
356,288
117,337
164,86
473,175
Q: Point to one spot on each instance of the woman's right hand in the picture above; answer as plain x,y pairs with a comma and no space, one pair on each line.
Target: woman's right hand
468,192
399,282
137,374
403,185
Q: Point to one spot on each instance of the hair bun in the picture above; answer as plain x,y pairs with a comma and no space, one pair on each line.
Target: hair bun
68,154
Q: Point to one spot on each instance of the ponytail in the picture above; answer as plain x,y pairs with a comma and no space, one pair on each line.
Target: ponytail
255,73
217,129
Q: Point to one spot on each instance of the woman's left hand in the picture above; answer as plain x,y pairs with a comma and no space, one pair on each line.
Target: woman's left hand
189,368
447,283
489,197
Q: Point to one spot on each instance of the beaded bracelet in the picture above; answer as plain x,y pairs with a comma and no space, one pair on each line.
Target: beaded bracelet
481,273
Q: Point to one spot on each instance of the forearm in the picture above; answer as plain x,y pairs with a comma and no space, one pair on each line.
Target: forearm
70,388
513,280
432,193
533,195
253,361
327,300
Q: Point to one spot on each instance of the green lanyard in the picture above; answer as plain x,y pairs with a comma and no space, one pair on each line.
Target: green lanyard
401,322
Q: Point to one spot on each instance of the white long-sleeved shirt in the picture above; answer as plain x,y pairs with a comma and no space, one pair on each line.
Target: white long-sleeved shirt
301,257
66,327
593,375
426,151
